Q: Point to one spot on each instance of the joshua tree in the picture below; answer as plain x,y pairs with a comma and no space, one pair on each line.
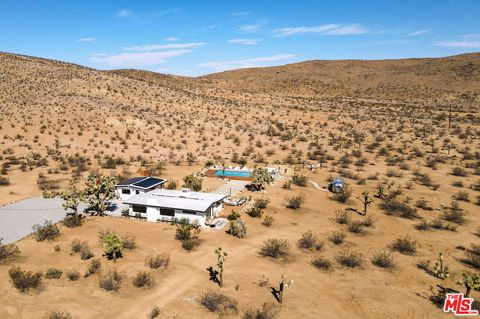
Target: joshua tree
366,200
470,282
221,256
441,270
284,283
112,243
99,190
261,176
72,197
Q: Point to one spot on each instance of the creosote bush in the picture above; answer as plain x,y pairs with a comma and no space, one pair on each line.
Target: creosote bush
337,237
383,259
295,202
344,195
254,212
310,240
266,311
349,258
53,273
158,261
268,221
342,217
237,228
72,275
321,263
8,251
154,313
217,302
275,247
396,208
47,231
143,279
405,245
110,281
55,314
24,280
93,267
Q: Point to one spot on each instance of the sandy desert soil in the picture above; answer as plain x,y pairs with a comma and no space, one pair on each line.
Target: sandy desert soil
61,122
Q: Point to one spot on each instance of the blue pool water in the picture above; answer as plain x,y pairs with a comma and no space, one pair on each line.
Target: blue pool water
228,173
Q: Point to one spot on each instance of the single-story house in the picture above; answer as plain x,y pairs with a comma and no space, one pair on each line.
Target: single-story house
170,205
138,185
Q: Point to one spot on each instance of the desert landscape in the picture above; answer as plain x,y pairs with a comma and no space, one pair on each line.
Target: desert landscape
403,134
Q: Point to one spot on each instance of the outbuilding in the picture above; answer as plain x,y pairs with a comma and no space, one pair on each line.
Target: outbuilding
138,185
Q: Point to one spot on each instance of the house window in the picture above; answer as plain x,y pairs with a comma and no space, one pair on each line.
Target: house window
137,192
189,212
126,191
167,212
139,209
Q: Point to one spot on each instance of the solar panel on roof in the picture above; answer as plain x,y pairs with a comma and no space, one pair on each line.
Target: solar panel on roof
131,181
149,182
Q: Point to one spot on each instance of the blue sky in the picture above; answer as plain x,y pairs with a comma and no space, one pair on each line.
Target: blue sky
199,37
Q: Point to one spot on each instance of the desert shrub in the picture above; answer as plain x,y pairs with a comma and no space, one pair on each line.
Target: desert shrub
344,195
55,314
47,231
53,273
4,181
337,237
397,208
261,203
266,311
462,195
186,231
86,253
77,245
254,212
268,221
349,258
454,214
383,259
72,275
217,302
423,204
72,221
310,240
299,180
233,216
287,185
158,261
457,183
472,259
111,281
355,226
143,279
295,202
275,247
405,246
189,244
24,280
93,267
8,251
171,185
154,313
368,221
237,228
342,217
459,171
423,225
322,263
57,248
129,242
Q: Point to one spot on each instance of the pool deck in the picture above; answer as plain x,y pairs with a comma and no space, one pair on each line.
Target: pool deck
210,173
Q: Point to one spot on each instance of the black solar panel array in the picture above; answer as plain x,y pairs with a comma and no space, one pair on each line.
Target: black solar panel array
149,182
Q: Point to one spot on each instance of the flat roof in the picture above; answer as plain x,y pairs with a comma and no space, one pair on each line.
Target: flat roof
185,200
142,182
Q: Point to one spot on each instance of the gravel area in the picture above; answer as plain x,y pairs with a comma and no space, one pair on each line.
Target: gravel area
231,187
17,220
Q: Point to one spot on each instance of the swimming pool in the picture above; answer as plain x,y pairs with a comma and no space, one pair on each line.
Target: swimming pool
232,173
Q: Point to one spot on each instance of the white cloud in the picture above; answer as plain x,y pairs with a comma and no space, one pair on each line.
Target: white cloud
245,41
419,32
85,40
124,13
466,41
459,44
136,59
246,63
158,47
171,39
325,29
